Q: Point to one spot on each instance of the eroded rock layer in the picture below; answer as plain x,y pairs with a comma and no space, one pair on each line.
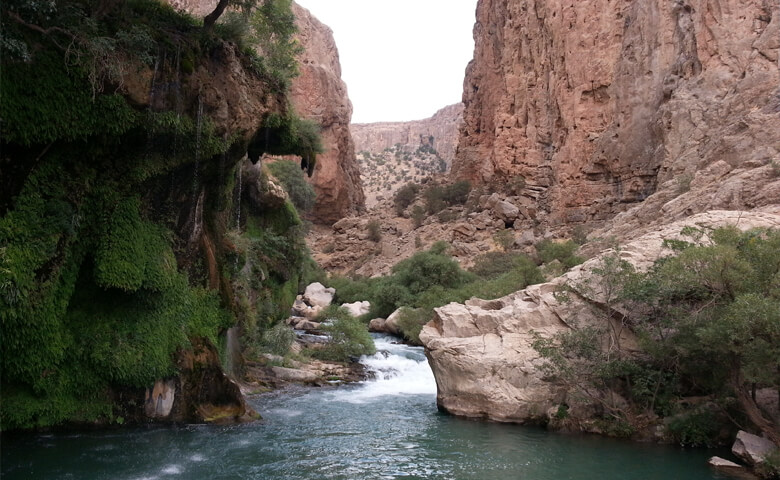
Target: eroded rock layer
319,93
600,104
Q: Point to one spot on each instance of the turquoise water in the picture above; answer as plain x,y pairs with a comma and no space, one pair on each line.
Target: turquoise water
383,429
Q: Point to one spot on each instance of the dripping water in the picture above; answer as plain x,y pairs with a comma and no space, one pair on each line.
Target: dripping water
238,200
198,130
150,110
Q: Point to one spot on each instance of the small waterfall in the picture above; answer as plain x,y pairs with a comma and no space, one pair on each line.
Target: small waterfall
238,200
398,369
177,94
150,110
198,131
232,351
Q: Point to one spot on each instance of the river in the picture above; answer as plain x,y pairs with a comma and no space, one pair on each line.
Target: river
386,428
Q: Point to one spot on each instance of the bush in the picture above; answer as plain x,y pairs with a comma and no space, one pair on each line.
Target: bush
418,216
426,269
289,175
374,231
411,321
278,339
549,250
492,264
504,239
457,193
348,337
405,196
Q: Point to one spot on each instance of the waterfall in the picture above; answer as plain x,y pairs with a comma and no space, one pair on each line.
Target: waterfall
150,110
198,130
232,350
398,370
238,201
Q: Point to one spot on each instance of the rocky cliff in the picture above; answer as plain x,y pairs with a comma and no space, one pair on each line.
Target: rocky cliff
602,105
319,93
439,132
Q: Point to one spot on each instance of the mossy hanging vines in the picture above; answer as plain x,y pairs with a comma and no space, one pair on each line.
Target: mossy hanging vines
98,285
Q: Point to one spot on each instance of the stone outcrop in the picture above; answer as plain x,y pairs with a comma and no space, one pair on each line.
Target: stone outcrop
600,105
752,449
318,93
481,353
439,132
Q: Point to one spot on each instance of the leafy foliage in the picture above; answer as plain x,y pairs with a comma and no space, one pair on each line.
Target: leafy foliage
708,319
349,337
301,193
549,250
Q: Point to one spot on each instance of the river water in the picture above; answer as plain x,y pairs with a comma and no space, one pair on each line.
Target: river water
387,428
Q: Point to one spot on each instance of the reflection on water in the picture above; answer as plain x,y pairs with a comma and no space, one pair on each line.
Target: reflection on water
386,428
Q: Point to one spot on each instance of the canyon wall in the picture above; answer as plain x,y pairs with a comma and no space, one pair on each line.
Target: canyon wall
439,132
318,93
671,107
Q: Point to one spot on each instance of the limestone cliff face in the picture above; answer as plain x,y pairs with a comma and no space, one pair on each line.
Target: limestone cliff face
320,94
439,132
601,104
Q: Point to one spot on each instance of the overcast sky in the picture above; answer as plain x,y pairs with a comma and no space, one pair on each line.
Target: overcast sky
401,59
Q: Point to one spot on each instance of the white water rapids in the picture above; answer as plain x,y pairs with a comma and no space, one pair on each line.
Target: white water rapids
398,370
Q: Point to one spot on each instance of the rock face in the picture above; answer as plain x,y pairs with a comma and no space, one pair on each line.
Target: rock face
439,132
318,93
481,353
600,105
752,449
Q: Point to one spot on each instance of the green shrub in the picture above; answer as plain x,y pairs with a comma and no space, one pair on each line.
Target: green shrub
349,337
411,321
505,239
549,250
493,264
374,230
289,174
278,339
696,429
418,216
404,196
426,269
456,193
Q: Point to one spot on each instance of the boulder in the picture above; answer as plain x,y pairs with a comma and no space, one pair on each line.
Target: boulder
317,295
294,374
505,211
722,463
292,321
159,400
463,230
307,325
751,449
481,352
357,309
299,307
391,324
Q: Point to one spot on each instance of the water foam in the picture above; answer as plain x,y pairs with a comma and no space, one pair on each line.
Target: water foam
398,369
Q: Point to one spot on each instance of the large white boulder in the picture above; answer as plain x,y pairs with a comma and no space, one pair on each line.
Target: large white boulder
752,449
481,352
357,309
317,295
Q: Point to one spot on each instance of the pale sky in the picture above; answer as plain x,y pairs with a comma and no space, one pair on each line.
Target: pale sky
401,59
